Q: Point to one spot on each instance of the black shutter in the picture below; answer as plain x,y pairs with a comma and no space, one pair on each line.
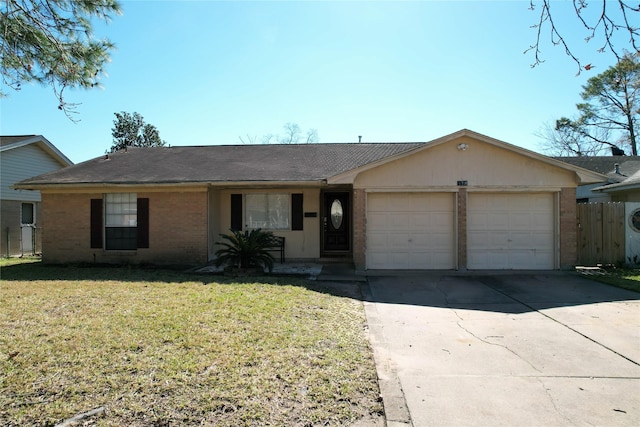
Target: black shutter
297,212
96,223
236,212
143,223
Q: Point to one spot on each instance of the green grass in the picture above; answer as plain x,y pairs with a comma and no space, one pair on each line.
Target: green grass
619,277
159,347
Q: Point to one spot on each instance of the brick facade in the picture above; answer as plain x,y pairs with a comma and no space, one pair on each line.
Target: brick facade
462,227
177,229
359,228
178,224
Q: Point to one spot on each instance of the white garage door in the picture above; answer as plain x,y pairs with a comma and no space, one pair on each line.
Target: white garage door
510,231
410,231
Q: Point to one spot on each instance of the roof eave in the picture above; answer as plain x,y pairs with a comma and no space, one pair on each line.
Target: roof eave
612,188
45,144
220,184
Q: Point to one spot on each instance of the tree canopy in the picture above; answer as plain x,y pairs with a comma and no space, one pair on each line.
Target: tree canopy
130,130
609,115
50,42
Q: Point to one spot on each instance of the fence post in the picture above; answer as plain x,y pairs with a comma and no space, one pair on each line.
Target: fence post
8,240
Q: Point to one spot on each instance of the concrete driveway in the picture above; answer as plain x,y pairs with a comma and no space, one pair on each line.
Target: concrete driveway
544,349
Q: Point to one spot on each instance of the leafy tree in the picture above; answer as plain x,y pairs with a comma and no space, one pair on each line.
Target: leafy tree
50,42
292,135
611,109
602,22
612,101
130,130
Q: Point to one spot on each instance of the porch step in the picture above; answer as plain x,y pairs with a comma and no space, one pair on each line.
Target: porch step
339,272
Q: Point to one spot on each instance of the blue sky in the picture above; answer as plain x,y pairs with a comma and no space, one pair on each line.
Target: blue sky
207,72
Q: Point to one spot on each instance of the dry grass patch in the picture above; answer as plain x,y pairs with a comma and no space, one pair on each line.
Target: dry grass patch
166,348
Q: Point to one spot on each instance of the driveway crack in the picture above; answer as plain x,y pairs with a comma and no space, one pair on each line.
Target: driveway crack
537,378
533,309
510,350
553,401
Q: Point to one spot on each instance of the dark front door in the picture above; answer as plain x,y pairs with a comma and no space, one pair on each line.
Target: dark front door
336,222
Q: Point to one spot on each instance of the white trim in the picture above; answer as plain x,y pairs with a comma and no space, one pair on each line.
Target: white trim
45,144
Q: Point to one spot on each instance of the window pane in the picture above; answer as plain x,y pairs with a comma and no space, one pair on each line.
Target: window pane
256,211
267,210
27,213
278,205
121,238
121,221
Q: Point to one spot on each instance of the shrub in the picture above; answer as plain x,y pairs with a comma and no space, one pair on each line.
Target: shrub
246,249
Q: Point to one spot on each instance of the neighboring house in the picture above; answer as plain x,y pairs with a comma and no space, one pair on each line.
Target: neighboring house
23,157
618,169
463,201
626,190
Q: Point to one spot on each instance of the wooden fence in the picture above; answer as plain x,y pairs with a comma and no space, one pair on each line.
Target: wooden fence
601,233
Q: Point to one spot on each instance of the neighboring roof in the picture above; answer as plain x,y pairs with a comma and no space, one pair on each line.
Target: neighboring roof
12,142
631,183
8,140
255,163
222,163
627,165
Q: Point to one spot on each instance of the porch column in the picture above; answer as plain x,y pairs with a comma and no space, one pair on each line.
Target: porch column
462,228
359,228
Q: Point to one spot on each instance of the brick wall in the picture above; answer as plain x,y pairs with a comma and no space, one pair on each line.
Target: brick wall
359,228
462,228
177,230
568,229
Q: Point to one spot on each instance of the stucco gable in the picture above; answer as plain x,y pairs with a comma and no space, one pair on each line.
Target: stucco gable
472,157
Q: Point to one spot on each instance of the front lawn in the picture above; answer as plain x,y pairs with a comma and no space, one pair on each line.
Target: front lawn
620,277
158,347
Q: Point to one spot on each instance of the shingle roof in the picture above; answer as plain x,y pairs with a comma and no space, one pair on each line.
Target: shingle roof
628,165
11,139
223,163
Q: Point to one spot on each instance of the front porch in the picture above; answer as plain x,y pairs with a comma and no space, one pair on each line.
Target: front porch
313,270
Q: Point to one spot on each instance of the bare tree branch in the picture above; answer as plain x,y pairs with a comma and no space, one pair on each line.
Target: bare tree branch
606,23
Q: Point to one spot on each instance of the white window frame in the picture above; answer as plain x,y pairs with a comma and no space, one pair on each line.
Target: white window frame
120,211
267,211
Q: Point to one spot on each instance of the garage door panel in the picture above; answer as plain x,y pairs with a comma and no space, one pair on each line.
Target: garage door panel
510,231
377,220
399,241
423,241
418,230
400,221
443,220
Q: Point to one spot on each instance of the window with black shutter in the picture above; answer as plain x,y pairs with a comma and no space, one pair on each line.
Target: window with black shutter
236,212
297,212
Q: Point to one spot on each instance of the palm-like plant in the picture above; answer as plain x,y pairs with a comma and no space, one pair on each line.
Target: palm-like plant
246,249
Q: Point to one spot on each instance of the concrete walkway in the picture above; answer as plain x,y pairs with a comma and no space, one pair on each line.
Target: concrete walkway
548,349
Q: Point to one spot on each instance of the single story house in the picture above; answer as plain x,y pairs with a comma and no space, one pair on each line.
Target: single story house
625,190
21,157
617,169
463,201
